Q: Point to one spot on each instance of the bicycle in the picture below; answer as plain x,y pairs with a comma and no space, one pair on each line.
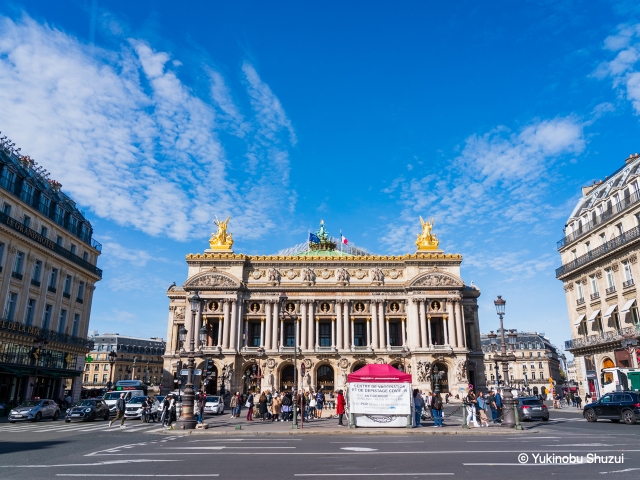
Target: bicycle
563,403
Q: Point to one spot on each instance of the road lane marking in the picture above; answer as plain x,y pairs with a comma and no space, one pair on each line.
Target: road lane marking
369,474
521,464
220,448
136,475
359,449
107,462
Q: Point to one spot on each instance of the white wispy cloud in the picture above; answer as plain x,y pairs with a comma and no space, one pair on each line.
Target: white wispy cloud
132,256
500,178
131,141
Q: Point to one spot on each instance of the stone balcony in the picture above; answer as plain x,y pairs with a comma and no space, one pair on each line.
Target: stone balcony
606,338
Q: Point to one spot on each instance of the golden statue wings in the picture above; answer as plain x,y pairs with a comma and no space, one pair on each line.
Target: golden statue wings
221,240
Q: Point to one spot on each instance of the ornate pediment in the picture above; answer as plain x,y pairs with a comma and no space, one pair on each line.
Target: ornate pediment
211,280
436,280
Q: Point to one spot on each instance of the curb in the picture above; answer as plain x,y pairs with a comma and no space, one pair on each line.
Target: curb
497,431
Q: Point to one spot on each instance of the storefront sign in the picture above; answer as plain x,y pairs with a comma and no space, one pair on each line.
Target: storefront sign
380,398
19,328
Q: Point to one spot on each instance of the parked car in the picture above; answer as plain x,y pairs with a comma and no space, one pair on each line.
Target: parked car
530,408
111,398
133,409
214,405
616,406
87,410
35,410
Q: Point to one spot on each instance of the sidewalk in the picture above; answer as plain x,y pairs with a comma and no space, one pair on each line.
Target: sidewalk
329,426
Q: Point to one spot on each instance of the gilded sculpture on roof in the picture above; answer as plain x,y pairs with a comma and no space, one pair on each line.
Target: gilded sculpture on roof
221,240
427,240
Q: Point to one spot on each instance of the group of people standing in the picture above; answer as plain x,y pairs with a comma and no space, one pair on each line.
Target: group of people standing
278,407
431,402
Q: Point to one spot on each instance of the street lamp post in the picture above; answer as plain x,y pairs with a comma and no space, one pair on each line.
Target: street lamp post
294,317
38,344
187,420
112,361
509,418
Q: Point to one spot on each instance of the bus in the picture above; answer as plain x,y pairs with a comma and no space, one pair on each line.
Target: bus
618,379
124,385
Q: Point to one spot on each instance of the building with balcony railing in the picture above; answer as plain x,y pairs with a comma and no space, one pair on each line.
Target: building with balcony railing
599,253
536,361
342,309
47,276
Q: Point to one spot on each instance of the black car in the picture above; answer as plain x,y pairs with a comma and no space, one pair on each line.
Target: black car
87,410
614,406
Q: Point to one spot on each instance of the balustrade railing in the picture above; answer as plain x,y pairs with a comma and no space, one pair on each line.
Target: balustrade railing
598,339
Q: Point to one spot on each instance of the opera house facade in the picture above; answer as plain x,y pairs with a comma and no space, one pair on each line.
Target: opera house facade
334,310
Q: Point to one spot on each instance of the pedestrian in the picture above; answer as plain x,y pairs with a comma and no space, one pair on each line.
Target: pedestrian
340,406
498,402
436,410
482,407
164,408
286,406
275,407
319,403
312,405
119,411
418,405
578,401
471,403
197,410
262,407
446,398
233,403
269,404
491,401
249,406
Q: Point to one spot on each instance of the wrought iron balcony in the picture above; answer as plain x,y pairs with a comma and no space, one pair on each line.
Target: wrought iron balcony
628,283
600,251
51,335
611,290
580,301
600,219
35,282
599,339
595,295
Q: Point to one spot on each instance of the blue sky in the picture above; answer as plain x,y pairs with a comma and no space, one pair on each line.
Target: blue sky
365,114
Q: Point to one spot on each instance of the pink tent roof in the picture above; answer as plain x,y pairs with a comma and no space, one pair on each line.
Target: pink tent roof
379,373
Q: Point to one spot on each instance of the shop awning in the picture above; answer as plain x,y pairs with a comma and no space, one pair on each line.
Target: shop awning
44,372
379,373
18,372
627,306
610,311
593,315
579,319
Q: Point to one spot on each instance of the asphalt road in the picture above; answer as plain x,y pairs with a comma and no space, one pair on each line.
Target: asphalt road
50,450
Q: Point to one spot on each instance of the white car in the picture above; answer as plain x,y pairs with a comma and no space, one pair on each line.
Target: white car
214,405
110,398
133,409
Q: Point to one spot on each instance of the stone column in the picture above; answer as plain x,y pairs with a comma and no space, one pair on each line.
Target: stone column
459,324
333,333
445,327
353,337
424,332
245,340
262,321
414,324
345,324
219,332
429,330
318,333
281,332
368,332
374,325
339,342
381,322
303,322
404,336
312,325
226,324
452,324
209,332
276,321
237,312
267,331
297,325
387,330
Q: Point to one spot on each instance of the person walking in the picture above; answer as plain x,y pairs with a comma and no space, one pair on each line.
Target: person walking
312,405
482,407
471,403
269,404
286,406
418,405
197,409
498,402
340,407
262,407
436,410
233,403
164,408
319,403
276,405
119,411
249,406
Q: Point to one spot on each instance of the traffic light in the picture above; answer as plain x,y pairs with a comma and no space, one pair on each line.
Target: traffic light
209,366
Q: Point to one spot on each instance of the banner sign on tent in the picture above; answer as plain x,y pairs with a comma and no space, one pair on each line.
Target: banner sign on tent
380,398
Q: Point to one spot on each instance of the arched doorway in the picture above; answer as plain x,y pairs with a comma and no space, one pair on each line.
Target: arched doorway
397,365
211,382
325,379
543,390
444,377
357,366
287,378
251,379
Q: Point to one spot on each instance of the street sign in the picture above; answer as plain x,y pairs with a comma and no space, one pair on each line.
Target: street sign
185,372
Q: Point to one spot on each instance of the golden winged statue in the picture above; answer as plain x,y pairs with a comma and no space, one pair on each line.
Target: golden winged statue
221,240
427,240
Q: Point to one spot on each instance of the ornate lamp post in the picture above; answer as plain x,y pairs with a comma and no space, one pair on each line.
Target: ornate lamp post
436,376
112,361
38,345
187,420
294,317
509,418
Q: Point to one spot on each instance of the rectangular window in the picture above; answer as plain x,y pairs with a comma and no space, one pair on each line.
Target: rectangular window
10,310
46,317
533,375
8,180
540,365
609,275
80,296
45,205
86,378
59,218
36,273
580,292
62,324
104,378
73,225
53,280
26,221
627,271
73,249
6,209
96,367
17,265
359,334
539,354
59,240
95,378
67,286
603,239
325,334
1,255
31,310
619,229
44,231
290,334
87,367
394,334
254,334
76,324
106,367
594,284
587,247
85,256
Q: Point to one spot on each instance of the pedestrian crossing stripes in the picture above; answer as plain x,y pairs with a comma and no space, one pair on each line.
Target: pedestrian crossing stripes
56,427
